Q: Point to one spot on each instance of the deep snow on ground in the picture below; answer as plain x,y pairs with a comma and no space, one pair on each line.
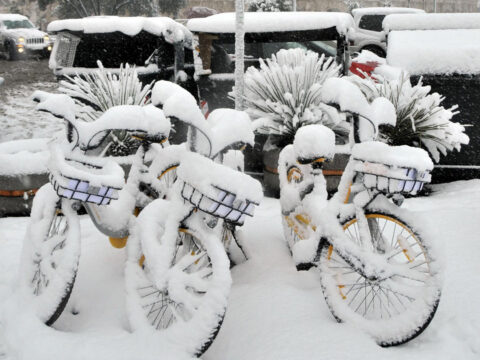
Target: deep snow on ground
274,311
18,119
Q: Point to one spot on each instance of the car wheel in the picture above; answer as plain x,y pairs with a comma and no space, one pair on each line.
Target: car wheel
10,52
376,50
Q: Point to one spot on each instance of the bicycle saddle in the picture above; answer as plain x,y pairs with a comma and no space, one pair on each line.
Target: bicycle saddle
314,144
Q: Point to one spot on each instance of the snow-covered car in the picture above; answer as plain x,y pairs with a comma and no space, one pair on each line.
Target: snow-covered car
265,34
369,33
160,48
19,37
443,50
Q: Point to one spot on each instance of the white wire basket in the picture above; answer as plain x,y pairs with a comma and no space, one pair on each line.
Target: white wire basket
391,179
92,180
225,204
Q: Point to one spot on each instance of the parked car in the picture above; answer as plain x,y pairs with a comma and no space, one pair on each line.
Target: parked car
368,33
265,34
159,47
444,50
19,37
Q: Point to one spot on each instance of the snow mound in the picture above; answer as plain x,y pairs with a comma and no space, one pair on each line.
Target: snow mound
171,30
431,21
397,156
23,157
262,22
454,51
384,11
314,141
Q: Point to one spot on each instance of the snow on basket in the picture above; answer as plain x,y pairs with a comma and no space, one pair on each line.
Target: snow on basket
392,169
217,189
88,179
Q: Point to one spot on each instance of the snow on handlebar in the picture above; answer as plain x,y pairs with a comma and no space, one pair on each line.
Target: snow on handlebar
349,98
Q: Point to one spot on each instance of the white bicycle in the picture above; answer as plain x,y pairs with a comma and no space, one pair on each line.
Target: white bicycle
377,269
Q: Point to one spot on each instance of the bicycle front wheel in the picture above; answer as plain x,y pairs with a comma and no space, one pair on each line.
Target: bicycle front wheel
187,303
393,310
50,256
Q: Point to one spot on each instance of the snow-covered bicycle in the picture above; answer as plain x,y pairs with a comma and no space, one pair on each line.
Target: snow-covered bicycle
377,268
81,177
178,272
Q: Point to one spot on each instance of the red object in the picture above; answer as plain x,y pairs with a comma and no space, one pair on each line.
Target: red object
363,69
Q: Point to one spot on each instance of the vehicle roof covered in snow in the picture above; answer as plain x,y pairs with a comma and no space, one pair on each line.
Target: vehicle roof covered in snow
424,52
171,30
264,22
13,17
384,11
431,21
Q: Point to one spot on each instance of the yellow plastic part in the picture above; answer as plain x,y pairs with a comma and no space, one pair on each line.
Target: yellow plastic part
294,174
118,243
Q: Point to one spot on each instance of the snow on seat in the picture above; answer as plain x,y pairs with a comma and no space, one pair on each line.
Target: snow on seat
313,142
392,169
85,178
217,189
264,22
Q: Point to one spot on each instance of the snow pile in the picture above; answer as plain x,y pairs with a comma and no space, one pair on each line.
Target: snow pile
261,22
285,93
397,156
59,105
313,142
358,12
23,157
172,31
431,21
453,51
12,17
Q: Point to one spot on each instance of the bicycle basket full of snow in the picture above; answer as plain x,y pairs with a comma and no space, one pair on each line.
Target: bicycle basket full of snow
219,191
84,178
392,169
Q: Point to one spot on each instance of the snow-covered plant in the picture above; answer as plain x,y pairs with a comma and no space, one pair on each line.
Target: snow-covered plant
422,121
270,5
351,4
96,92
284,94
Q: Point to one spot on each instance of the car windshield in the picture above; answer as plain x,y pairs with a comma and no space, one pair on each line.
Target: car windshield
223,54
18,24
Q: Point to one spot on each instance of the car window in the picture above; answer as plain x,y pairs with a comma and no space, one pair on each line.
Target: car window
18,24
371,22
223,54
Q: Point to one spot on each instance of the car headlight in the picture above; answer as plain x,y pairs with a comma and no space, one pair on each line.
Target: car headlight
21,39
46,38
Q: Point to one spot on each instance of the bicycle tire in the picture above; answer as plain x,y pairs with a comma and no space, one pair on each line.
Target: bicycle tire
393,325
50,254
196,325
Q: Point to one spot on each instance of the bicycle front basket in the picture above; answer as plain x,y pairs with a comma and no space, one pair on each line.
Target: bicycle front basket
87,179
392,169
217,189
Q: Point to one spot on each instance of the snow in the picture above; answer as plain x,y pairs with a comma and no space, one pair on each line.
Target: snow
13,17
256,22
314,141
399,156
384,11
22,157
274,312
454,51
162,26
443,21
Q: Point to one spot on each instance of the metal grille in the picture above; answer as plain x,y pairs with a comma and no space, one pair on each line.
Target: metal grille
67,47
35,41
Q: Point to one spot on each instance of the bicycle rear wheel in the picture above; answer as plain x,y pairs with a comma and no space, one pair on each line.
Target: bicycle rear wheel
50,254
393,310
186,305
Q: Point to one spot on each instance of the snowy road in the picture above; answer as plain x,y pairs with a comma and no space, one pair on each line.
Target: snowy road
18,120
274,312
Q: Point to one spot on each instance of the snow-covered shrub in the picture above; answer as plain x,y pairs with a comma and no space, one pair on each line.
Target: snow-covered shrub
270,5
284,94
96,92
422,121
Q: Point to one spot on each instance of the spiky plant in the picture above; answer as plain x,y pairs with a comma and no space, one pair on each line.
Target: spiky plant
284,94
421,119
96,92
